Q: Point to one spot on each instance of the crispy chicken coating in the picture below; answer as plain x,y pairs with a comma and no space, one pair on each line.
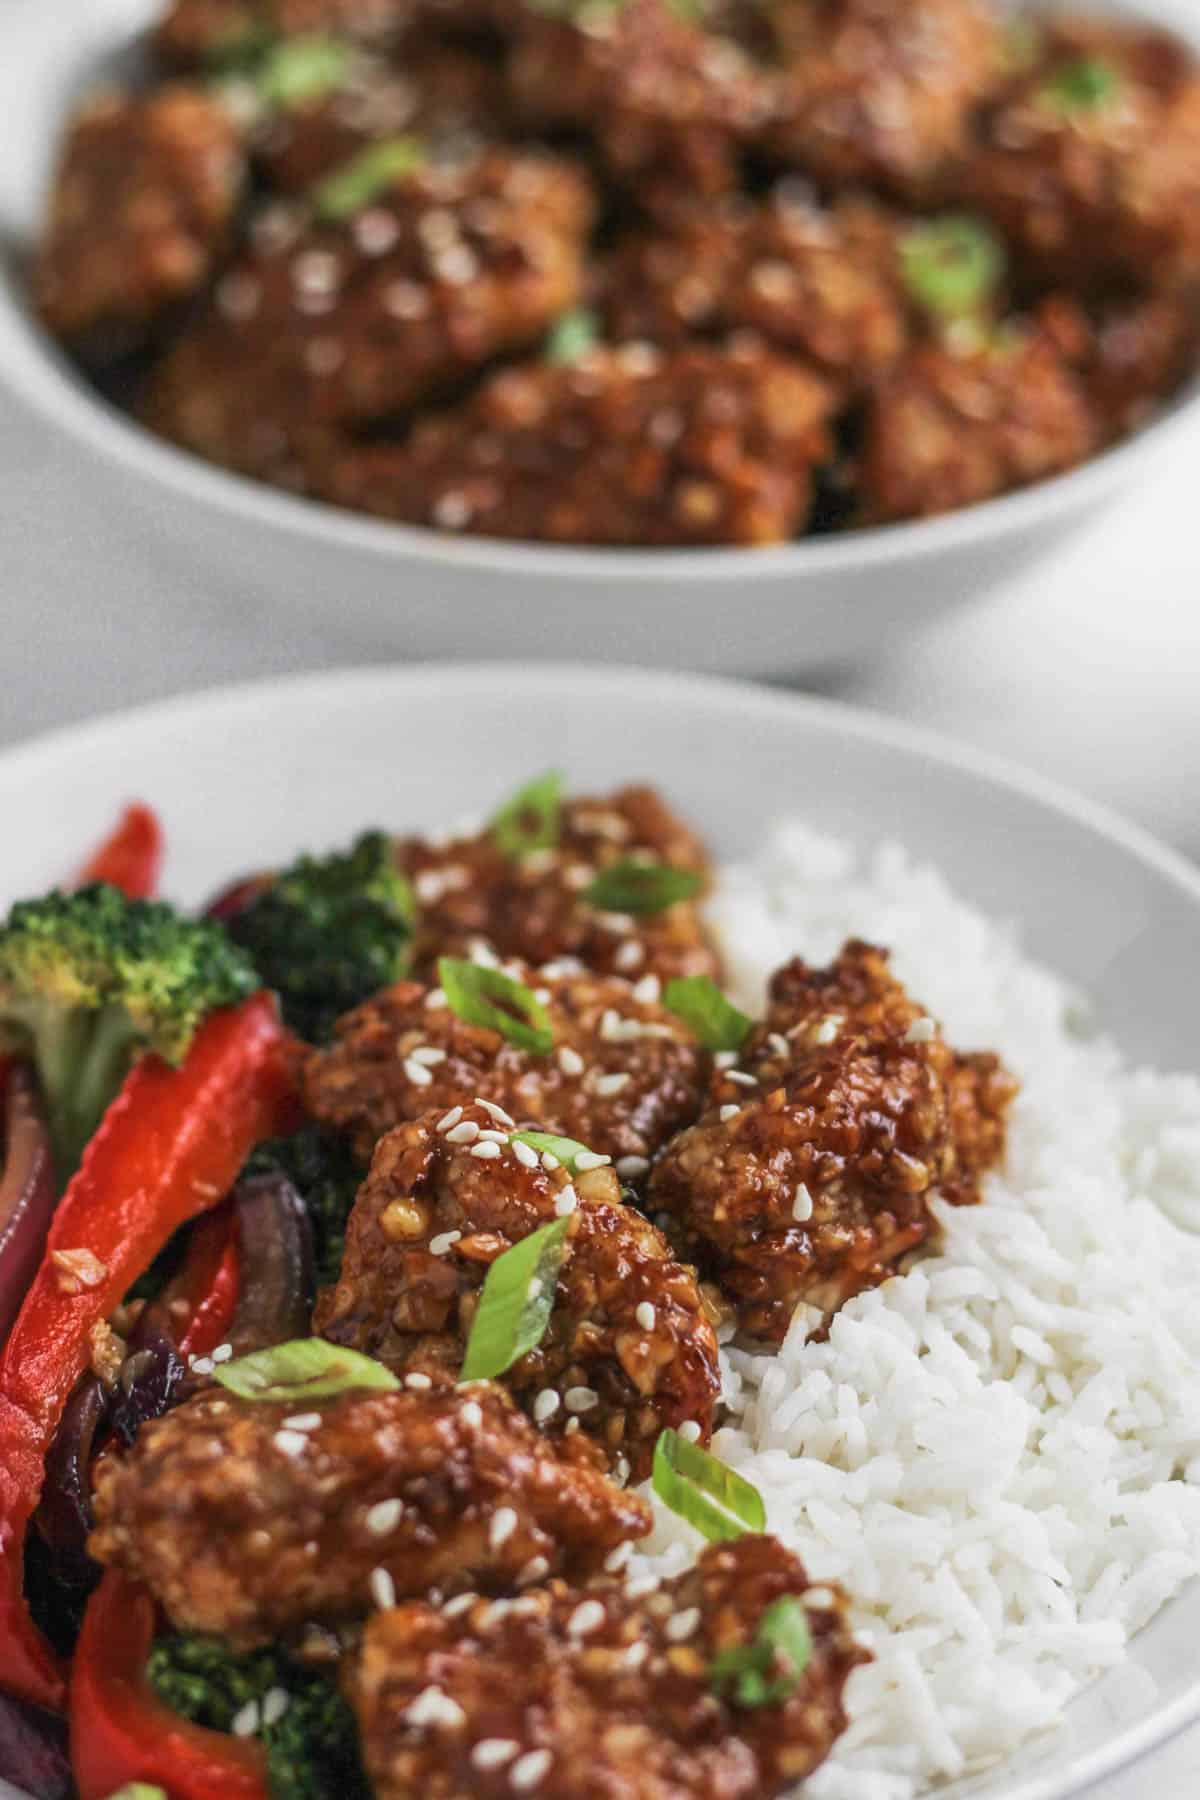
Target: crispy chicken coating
1130,355
248,1519
812,1173
198,32
624,1075
880,92
628,1348
324,324
591,1695
533,908
951,425
701,445
141,207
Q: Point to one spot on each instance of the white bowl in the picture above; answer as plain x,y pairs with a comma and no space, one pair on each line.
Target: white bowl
429,593
251,775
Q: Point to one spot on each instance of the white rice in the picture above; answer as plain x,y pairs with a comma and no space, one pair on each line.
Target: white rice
998,1453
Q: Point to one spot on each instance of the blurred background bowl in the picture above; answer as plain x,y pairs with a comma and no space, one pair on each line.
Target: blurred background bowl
783,610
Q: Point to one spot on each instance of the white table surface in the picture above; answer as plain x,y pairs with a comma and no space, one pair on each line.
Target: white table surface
1088,670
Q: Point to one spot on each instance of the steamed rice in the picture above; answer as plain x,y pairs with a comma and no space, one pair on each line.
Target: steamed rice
999,1452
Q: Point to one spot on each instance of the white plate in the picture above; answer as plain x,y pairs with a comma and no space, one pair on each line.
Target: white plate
432,593
248,776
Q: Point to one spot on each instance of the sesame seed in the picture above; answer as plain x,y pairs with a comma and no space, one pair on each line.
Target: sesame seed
466,1133
405,300
493,1753
572,1426
635,1656
689,1431
565,1202
549,1161
223,1353
472,1415
504,1523
201,1365
316,272
484,1151
383,1589
491,1136
645,1315
921,1031
291,1443
588,1616
648,990
741,1077
451,510
303,1421
616,1559
588,1159
828,1029
545,1405
418,1382
246,1720
384,1516
629,957
460,1604
529,1770
450,1119
640,1586
725,1059
777,1042
376,231
630,1167
417,1073
443,1242
432,1707
536,1569
525,1154
570,1061
621,1471
612,1084
820,1596
276,1701
683,1624
580,1399
436,997
802,1206
729,1112
429,1054
498,1113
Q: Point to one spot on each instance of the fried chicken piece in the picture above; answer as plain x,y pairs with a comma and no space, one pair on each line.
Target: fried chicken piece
628,1348
590,1695
624,1075
811,1174
195,33
248,1520
819,283
141,208
701,445
1090,162
531,907
880,92
1130,355
325,324
949,426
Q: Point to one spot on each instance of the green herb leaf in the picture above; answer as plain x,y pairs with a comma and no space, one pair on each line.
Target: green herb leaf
532,819
572,336
629,886
304,1369
302,68
781,1649
564,1148
484,996
704,1490
704,1009
1083,86
953,265
515,1303
139,1790
365,177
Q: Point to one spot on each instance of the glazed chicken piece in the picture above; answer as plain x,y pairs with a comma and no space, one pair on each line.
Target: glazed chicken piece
195,33
141,209
1130,355
623,1077
697,445
880,92
1090,162
250,1520
811,1174
586,1696
531,906
954,423
628,1348
328,323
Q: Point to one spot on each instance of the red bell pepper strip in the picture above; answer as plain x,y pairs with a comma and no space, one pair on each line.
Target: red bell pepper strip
169,1147
131,857
209,1282
121,1731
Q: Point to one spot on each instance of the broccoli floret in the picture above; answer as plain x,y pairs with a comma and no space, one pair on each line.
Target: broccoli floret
311,1745
89,980
328,932
327,1177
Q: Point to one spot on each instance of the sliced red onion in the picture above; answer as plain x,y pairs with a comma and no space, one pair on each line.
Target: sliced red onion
275,1258
27,1191
33,1751
237,897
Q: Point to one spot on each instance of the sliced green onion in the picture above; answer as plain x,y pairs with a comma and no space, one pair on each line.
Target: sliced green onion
532,819
767,1670
483,996
708,1015
952,265
139,1790
365,177
1083,86
302,68
515,1303
565,1149
629,886
304,1369
704,1490
577,332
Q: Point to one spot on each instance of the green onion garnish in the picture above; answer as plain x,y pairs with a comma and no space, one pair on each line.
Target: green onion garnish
532,819
641,887
139,1790
483,996
577,332
708,1015
304,1369
1083,86
515,1303
704,1490
565,1149
365,177
767,1670
302,68
952,265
